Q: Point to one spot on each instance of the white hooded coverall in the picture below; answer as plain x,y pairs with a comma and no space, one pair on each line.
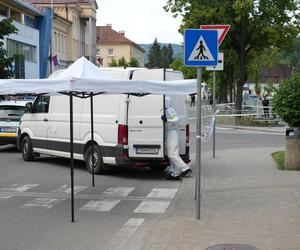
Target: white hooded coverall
176,163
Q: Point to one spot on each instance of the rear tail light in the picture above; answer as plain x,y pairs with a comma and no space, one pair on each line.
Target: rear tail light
187,133
122,134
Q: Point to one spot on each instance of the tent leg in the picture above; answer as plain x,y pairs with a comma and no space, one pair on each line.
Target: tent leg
71,157
92,133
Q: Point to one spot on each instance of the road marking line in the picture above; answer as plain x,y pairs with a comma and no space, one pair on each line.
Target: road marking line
5,197
157,207
162,193
65,189
100,206
79,196
125,233
43,203
118,191
20,188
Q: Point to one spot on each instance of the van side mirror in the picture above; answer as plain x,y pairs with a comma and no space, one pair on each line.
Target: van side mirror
28,107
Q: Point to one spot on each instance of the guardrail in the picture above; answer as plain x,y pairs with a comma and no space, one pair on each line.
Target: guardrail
249,113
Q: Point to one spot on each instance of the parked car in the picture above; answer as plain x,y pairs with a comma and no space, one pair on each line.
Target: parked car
10,115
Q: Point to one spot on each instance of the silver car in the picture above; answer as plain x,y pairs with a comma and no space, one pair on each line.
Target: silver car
10,115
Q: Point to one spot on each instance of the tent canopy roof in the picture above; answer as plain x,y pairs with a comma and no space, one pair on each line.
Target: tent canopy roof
84,77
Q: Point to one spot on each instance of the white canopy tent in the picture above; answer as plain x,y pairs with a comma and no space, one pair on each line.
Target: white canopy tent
83,78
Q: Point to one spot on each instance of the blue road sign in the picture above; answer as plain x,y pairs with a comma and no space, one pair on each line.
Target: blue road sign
200,48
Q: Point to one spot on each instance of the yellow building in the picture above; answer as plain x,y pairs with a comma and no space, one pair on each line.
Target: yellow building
114,45
73,31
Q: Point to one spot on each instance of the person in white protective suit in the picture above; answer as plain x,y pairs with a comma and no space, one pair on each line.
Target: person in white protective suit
178,168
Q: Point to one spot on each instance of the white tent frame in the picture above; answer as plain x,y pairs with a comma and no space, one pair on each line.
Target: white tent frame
82,86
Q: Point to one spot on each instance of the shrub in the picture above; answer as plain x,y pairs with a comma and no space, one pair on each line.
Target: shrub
286,101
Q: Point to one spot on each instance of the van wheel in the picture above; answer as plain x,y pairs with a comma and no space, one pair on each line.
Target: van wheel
98,161
26,149
157,169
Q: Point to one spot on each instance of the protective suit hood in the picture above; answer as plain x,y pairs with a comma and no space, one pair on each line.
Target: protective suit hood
168,102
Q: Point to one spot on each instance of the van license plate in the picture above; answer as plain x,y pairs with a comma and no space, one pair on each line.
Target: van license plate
148,151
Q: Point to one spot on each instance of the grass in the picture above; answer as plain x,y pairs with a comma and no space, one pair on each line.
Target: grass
278,157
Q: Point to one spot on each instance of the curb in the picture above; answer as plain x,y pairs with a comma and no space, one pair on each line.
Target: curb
277,130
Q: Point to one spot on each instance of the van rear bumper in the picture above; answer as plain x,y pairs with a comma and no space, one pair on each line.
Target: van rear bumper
122,158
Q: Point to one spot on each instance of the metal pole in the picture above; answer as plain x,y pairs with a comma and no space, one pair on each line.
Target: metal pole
71,156
198,144
51,41
214,110
92,137
164,113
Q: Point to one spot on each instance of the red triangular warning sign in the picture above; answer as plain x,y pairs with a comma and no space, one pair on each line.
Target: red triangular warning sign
222,30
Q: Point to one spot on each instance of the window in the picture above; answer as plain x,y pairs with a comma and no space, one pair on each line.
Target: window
29,21
3,10
16,15
12,111
17,48
110,52
41,104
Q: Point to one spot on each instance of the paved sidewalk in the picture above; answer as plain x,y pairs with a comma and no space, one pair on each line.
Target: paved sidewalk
245,200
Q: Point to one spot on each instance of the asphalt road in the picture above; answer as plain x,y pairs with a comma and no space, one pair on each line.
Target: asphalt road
35,204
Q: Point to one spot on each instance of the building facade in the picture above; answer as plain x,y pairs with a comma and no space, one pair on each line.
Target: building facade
26,41
113,45
73,30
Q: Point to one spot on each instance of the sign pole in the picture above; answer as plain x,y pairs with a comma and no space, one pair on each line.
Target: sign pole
198,145
200,50
214,110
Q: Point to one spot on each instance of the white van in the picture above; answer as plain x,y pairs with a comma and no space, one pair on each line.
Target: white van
128,130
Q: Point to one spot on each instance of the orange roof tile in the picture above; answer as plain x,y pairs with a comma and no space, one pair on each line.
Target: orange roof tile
106,35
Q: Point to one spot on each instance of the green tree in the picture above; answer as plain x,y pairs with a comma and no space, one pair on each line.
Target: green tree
257,88
6,28
165,57
188,73
255,25
113,63
286,101
154,56
170,54
134,62
122,62
292,58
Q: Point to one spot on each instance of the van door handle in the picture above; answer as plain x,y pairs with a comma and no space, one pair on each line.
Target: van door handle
45,120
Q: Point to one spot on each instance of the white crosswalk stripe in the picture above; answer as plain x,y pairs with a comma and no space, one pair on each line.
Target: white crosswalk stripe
118,191
43,202
20,188
156,201
124,234
157,207
162,193
100,206
5,197
65,189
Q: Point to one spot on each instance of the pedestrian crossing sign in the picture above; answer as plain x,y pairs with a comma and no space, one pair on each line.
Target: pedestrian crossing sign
200,48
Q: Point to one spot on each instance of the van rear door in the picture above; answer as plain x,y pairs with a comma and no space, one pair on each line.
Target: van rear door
145,127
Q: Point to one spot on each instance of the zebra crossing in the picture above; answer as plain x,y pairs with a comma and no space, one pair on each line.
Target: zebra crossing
156,201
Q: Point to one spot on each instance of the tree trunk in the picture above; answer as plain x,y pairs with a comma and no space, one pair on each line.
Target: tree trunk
223,92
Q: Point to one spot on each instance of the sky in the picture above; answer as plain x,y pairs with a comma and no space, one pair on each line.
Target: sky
142,20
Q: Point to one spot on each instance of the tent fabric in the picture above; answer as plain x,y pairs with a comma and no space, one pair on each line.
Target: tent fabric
83,76
82,68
